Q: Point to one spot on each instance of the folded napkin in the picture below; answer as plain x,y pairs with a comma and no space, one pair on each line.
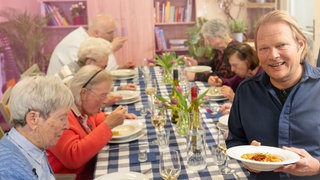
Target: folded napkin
213,116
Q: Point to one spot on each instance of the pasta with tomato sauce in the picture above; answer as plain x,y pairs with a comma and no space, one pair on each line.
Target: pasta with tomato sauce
262,157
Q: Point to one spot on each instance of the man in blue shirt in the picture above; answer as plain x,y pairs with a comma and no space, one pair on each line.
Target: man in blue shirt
280,107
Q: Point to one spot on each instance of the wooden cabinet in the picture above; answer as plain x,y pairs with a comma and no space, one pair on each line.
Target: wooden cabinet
255,10
134,19
61,21
173,25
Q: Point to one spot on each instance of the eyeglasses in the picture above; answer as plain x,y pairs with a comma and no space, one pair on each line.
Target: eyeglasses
100,96
90,79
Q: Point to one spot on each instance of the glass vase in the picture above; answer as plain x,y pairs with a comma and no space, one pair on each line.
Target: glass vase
167,77
183,123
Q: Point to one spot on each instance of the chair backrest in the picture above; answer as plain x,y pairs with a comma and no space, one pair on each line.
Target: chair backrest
318,60
34,70
4,108
1,132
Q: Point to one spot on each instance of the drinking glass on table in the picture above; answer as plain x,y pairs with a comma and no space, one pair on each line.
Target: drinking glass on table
158,120
225,169
151,90
170,165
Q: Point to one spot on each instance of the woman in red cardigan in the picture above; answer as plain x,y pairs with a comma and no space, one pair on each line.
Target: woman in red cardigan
90,129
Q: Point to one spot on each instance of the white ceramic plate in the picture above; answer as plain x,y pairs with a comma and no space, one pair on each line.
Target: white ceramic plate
127,95
215,95
123,176
287,157
224,120
124,78
128,128
123,72
218,99
128,102
196,69
128,139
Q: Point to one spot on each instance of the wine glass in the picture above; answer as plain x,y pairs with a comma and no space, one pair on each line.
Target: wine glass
151,90
170,165
158,120
225,169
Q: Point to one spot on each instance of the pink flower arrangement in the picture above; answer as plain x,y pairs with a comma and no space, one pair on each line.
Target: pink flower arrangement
182,99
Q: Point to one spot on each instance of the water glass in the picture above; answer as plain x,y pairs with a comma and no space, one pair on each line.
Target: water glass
163,138
219,156
170,165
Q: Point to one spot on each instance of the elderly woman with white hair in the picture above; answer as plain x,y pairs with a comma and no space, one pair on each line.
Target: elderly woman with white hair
216,34
90,129
94,51
39,109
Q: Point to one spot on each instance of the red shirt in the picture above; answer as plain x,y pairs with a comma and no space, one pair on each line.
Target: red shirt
76,150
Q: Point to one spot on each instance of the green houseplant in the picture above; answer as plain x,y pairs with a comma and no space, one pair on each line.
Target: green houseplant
237,28
198,49
26,37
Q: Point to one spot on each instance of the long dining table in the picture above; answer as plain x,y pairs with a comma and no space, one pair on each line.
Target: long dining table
123,157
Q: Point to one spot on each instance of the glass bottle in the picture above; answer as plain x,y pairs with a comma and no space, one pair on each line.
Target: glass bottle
174,97
196,152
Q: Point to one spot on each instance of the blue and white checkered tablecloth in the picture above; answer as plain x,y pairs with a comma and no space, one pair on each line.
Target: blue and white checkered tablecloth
124,157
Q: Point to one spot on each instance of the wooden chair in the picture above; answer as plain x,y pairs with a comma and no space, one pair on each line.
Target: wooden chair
4,108
34,70
1,132
65,176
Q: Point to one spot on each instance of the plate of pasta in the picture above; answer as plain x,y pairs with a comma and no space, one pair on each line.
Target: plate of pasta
262,158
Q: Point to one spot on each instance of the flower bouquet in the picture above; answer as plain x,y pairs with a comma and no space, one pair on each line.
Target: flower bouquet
77,13
166,61
183,108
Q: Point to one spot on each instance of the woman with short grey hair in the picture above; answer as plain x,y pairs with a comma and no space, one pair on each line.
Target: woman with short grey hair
216,34
39,109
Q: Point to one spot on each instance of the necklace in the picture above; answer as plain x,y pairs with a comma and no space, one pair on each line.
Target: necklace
20,147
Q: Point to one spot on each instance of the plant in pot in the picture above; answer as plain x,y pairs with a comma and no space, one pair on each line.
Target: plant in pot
26,37
198,49
237,28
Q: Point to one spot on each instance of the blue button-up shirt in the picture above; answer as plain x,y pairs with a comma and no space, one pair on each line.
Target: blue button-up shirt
35,156
257,114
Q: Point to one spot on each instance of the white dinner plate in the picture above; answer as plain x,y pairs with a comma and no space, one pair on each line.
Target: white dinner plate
215,94
127,95
128,139
123,72
218,99
123,176
124,78
128,102
224,120
128,128
287,157
196,69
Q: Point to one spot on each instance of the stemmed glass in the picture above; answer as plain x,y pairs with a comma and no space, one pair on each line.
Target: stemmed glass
158,120
225,169
151,90
170,165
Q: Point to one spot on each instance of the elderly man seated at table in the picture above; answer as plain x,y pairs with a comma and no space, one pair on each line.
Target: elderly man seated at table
93,51
90,129
39,109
